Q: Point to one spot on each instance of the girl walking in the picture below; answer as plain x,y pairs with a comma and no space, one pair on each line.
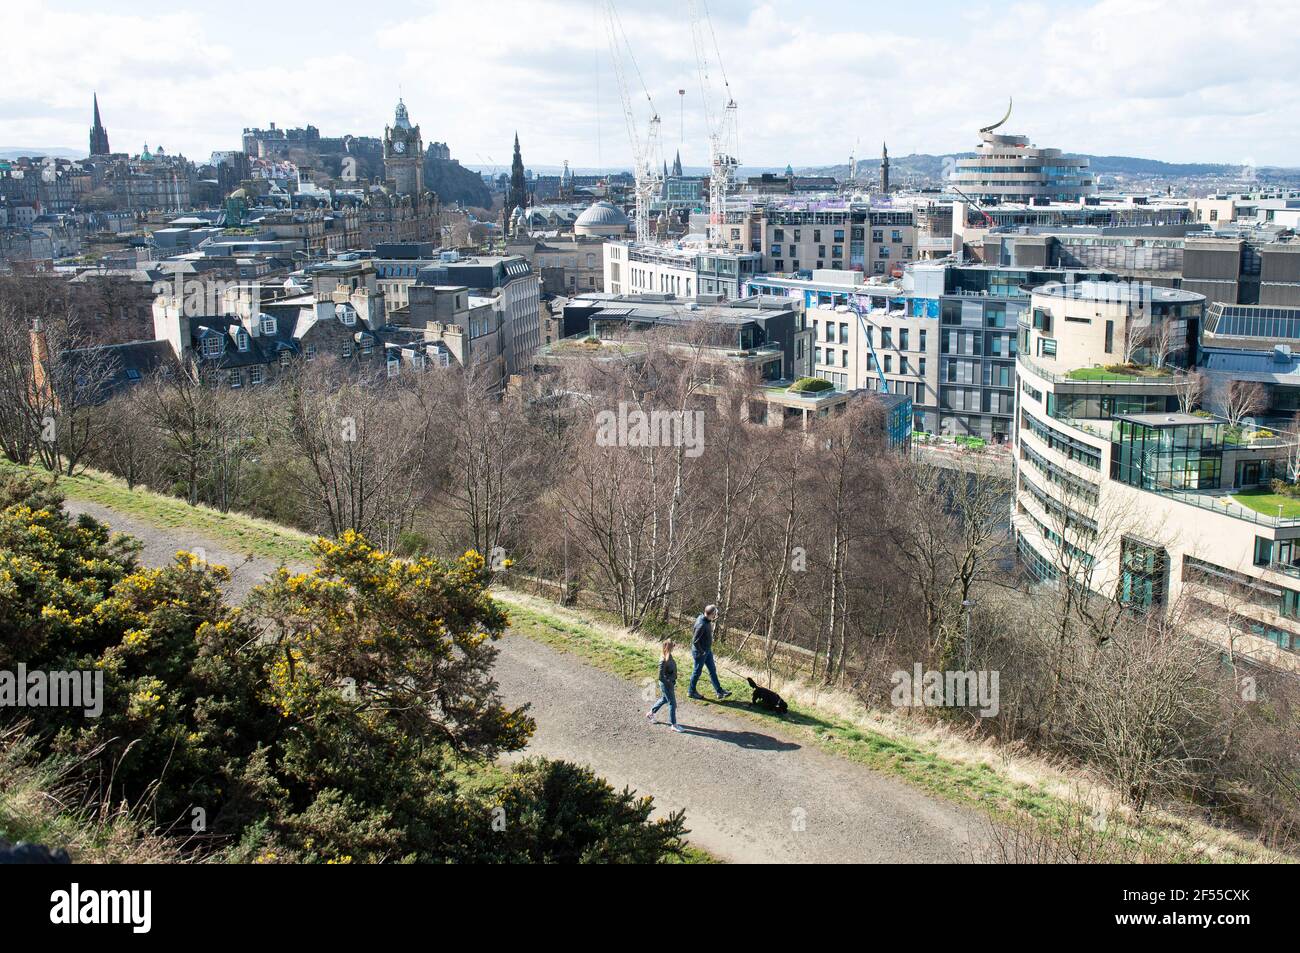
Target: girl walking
667,686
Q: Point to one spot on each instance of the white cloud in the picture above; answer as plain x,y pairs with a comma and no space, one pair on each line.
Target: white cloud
1172,80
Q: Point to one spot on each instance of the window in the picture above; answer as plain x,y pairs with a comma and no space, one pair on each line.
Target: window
309,352
817,355
844,334
236,378
133,375
268,324
1046,347
241,340
284,358
920,366
394,367
212,346
922,347
255,375
902,339
1110,336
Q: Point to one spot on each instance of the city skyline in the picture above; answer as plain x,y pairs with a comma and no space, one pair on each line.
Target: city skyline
1096,80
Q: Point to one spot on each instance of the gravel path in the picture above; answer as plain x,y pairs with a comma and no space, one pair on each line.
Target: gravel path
750,795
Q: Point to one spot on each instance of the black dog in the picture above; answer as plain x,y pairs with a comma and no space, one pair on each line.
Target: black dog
766,698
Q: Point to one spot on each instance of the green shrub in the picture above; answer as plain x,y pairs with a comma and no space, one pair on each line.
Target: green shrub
299,727
810,385
1283,488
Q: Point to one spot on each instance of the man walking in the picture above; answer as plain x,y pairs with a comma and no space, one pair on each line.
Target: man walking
702,652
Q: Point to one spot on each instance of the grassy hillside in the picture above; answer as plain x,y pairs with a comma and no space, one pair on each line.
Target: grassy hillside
1031,796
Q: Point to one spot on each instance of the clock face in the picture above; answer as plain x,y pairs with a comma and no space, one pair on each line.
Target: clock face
399,146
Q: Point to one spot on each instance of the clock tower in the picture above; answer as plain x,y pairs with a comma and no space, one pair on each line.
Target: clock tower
404,154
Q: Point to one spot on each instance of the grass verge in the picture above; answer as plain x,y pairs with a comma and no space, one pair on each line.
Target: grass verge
246,533
1016,791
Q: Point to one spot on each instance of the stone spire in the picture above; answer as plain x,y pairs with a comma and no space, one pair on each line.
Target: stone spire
884,168
518,194
98,134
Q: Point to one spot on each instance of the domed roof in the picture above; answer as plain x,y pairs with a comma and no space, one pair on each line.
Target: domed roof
602,215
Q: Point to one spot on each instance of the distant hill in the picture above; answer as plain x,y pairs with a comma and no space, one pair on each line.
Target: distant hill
931,167
57,152
452,182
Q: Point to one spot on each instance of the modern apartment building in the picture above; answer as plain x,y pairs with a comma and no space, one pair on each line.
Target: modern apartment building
806,235
1008,168
864,330
944,335
1121,492
685,270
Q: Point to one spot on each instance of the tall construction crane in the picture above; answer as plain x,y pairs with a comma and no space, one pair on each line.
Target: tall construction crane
645,152
723,123
857,308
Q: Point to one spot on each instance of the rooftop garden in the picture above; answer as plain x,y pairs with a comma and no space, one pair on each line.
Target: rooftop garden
1266,503
1118,372
810,385
579,344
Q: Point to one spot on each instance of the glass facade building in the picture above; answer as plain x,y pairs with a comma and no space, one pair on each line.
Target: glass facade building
1167,452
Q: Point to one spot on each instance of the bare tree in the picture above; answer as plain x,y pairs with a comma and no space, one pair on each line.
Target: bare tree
493,462
1243,399
364,442
1190,389
184,416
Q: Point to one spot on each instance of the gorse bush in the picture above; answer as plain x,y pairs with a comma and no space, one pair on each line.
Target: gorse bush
328,720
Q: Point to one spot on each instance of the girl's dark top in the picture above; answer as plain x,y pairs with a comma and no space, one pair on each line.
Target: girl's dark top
668,671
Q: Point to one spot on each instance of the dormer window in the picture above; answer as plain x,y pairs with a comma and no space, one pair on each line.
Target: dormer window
212,346
241,340
268,324
347,316
394,367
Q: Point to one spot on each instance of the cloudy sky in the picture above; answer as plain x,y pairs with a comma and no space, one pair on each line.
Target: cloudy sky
1184,80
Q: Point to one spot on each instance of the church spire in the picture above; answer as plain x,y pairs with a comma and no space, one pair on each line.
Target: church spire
677,163
98,134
